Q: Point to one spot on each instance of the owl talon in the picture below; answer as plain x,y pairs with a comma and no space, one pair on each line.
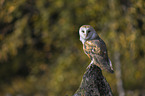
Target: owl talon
90,65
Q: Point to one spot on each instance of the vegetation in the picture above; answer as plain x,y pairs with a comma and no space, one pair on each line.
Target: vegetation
40,51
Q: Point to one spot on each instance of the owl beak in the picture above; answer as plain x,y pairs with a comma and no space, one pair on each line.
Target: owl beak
86,35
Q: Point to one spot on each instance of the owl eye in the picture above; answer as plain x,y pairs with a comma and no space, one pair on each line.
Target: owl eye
83,31
89,31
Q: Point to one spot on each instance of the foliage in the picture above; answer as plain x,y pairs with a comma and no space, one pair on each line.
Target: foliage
40,51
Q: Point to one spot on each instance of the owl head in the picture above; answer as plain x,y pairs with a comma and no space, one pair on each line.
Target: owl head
87,32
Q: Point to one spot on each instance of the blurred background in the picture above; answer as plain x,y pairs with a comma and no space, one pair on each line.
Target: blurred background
40,51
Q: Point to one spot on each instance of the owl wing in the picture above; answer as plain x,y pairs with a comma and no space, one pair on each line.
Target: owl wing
96,49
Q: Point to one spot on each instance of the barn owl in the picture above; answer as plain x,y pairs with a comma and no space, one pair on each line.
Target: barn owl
95,48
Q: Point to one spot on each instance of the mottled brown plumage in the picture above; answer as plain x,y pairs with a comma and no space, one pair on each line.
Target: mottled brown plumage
95,48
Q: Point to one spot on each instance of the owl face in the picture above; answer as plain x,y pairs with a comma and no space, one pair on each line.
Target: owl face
87,32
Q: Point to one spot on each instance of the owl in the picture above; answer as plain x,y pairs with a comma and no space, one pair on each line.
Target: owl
95,48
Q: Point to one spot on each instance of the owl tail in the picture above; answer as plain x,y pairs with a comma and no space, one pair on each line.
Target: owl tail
111,71
110,68
104,65
110,63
